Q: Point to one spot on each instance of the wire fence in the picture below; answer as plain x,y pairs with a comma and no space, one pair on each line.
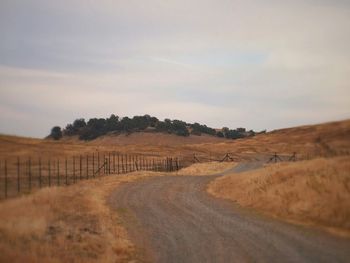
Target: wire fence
21,176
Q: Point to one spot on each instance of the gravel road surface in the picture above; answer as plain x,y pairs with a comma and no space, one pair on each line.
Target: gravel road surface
173,219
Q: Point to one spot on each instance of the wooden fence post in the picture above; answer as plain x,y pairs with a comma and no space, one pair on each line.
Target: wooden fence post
118,162
122,163
126,163
113,162
136,165
104,164
131,163
109,163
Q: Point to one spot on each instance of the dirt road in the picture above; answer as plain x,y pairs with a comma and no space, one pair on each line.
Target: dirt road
173,219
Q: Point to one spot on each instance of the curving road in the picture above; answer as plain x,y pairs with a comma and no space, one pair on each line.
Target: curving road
173,219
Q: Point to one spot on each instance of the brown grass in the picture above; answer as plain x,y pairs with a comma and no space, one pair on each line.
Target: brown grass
308,141
68,224
203,169
315,192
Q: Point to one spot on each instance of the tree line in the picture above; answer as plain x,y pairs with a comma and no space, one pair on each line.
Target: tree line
95,127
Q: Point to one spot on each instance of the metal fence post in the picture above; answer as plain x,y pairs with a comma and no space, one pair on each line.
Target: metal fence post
80,167
74,177
49,171
87,166
93,165
58,172
66,167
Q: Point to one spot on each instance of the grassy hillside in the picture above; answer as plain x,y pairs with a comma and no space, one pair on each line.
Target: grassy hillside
308,141
313,192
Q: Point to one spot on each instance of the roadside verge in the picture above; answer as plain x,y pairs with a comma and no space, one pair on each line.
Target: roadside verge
315,192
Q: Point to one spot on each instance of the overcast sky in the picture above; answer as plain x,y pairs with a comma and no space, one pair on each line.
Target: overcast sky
257,64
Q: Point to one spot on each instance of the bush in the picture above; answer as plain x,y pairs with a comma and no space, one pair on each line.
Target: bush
56,133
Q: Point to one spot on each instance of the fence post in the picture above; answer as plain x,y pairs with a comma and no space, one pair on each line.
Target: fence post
118,162
98,162
129,163
18,176
74,178
136,166
104,164
87,166
113,162
49,171
80,167
126,163
93,165
40,172
58,172
122,163
109,163
66,167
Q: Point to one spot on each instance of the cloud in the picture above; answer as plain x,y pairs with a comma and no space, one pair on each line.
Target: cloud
233,63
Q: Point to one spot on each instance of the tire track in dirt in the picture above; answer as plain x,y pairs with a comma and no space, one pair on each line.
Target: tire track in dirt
173,219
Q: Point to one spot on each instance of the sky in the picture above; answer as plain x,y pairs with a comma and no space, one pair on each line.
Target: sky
237,63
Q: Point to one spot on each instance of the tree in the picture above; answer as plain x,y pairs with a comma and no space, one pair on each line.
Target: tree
56,133
220,134
112,123
79,123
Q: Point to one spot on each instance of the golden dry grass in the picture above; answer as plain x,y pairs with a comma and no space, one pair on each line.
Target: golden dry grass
67,224
313,192
203,169
308,141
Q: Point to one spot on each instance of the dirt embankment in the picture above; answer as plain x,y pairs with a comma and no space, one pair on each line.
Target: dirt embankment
313,192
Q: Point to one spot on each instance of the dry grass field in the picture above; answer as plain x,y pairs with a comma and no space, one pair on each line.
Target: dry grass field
315,192
307,141
74,223
203,169
67,224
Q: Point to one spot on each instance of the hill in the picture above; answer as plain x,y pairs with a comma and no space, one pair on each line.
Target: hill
308,141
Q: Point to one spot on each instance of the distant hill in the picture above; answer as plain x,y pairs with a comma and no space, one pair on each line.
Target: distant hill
97,127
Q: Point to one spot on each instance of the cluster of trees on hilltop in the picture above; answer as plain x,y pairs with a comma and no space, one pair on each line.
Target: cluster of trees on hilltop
96,127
